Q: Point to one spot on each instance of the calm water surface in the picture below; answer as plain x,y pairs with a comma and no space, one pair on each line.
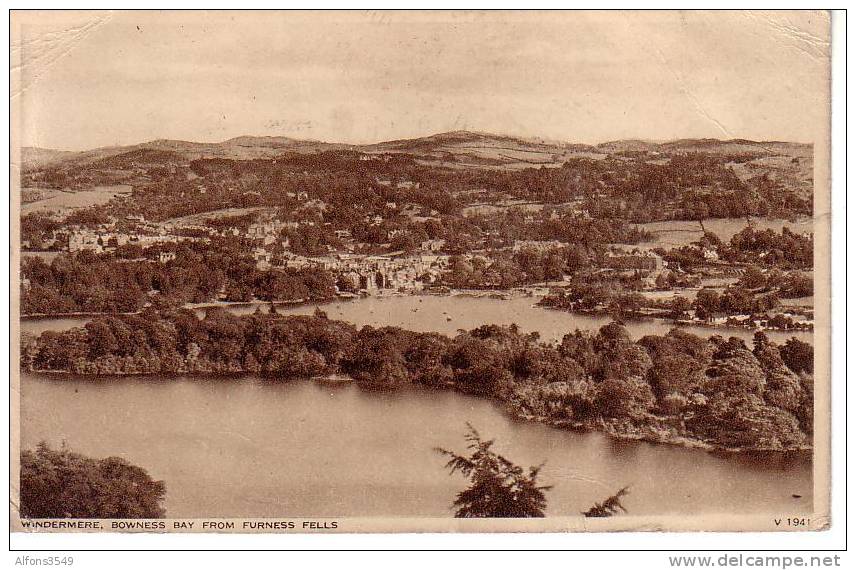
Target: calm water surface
66,200
247,447
448,314
250,447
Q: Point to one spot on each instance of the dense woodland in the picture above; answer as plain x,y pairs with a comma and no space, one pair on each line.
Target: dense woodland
785,250
672,388
590,294
127,279
637,188
126,282
59,483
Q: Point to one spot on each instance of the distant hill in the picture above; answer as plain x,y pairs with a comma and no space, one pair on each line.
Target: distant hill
482,150
737,146
456,149
628,145
709,146
240,148
33,157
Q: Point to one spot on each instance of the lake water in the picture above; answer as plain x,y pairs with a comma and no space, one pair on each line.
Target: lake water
448,314
249,447
71,199
245,447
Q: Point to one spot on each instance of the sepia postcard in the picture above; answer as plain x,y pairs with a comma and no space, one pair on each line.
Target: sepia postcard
420,271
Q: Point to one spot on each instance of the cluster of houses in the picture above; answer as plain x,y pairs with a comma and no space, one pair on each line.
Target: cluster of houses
107,237
644,263
368,272
376,272
533,212
539,246
101,241
354,272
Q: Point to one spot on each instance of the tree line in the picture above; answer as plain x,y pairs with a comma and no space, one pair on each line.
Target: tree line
767,249
662,388
124,282
59,483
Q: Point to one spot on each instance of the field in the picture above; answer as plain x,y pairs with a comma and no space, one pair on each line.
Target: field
488,209
29,195
681,233
197,219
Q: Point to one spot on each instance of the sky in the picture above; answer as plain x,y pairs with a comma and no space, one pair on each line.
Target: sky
82,80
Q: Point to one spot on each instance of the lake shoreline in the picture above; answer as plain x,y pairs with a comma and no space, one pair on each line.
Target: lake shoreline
679,322
188,306
619,430
320,436
497,294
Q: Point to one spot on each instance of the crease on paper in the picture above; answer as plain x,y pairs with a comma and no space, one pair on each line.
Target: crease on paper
32,57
